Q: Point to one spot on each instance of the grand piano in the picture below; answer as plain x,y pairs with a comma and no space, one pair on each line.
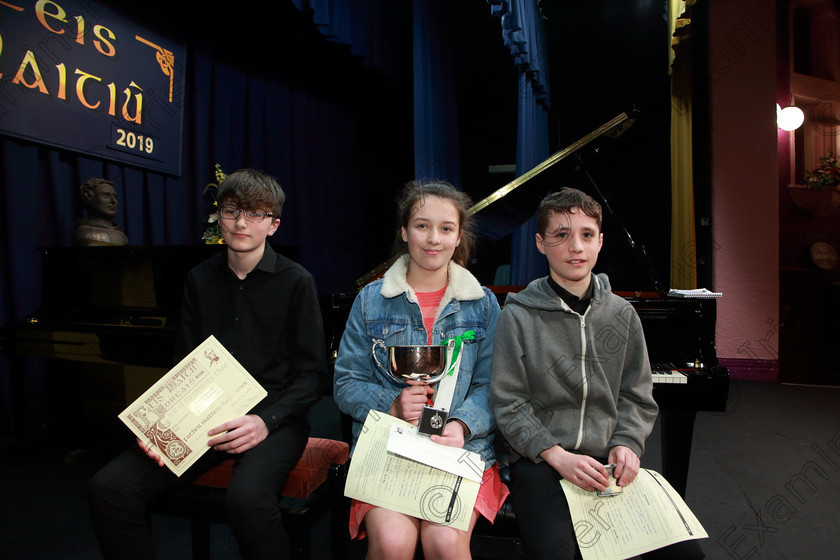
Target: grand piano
119,306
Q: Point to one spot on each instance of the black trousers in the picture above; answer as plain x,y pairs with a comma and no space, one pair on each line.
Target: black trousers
545,523
122,490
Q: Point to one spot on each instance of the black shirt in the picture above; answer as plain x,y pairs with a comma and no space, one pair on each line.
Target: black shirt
270,322
577,304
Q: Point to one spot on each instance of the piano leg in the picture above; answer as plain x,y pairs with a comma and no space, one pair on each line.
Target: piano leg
677,433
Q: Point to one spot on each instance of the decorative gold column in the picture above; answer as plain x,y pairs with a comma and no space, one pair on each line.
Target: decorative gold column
683,241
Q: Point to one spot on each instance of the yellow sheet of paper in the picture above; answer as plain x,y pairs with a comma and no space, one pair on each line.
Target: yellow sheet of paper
649,514
399,484
205,389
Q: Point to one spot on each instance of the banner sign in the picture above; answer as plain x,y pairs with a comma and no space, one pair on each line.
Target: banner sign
74,75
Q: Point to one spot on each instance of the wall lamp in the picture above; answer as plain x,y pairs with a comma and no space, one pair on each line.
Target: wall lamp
789,118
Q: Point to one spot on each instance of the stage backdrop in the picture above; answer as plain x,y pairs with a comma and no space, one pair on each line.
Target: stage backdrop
74,75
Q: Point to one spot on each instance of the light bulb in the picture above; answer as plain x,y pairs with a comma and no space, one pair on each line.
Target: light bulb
789,118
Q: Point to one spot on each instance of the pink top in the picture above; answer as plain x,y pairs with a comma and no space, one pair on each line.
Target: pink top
429,302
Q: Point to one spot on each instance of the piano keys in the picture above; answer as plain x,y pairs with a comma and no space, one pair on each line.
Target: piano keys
667,373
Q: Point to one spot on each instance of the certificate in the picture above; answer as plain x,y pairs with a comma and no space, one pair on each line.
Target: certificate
408,443
387,480
647,515
205,389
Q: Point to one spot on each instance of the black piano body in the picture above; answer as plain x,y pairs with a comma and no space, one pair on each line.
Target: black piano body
680,334
108,304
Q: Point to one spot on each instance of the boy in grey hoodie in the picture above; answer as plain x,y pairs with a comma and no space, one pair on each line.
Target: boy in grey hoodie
571,386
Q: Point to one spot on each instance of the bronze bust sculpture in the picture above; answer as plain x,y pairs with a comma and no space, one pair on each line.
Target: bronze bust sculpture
100,201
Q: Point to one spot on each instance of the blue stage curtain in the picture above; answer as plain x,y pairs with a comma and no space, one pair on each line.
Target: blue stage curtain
340,21
523,35
436,153
364,26
526,262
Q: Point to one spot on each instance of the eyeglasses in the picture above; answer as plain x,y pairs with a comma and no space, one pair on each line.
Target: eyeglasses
253,216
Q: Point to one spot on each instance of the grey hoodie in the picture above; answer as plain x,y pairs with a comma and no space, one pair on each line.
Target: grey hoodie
580,381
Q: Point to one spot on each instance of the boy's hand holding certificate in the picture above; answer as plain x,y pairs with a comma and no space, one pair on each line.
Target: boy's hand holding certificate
205,389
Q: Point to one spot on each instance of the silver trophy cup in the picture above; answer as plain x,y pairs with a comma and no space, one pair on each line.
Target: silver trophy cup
417,363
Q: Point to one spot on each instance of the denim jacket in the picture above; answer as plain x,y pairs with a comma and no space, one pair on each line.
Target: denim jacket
387,310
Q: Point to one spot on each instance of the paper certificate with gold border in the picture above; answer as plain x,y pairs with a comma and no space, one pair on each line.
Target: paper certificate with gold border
206,389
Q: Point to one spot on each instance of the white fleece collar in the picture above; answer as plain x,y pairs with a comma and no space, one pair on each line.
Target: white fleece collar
462,284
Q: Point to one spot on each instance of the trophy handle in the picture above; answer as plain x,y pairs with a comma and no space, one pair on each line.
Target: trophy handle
379,344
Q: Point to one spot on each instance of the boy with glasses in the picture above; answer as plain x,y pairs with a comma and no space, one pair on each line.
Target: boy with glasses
264,309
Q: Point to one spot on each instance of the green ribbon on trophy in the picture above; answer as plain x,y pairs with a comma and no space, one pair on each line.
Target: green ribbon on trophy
456,342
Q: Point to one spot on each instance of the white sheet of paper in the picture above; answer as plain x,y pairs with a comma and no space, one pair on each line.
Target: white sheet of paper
410,444
648,515
387,480
205,389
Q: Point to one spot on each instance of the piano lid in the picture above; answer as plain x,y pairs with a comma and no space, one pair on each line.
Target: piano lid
505,222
